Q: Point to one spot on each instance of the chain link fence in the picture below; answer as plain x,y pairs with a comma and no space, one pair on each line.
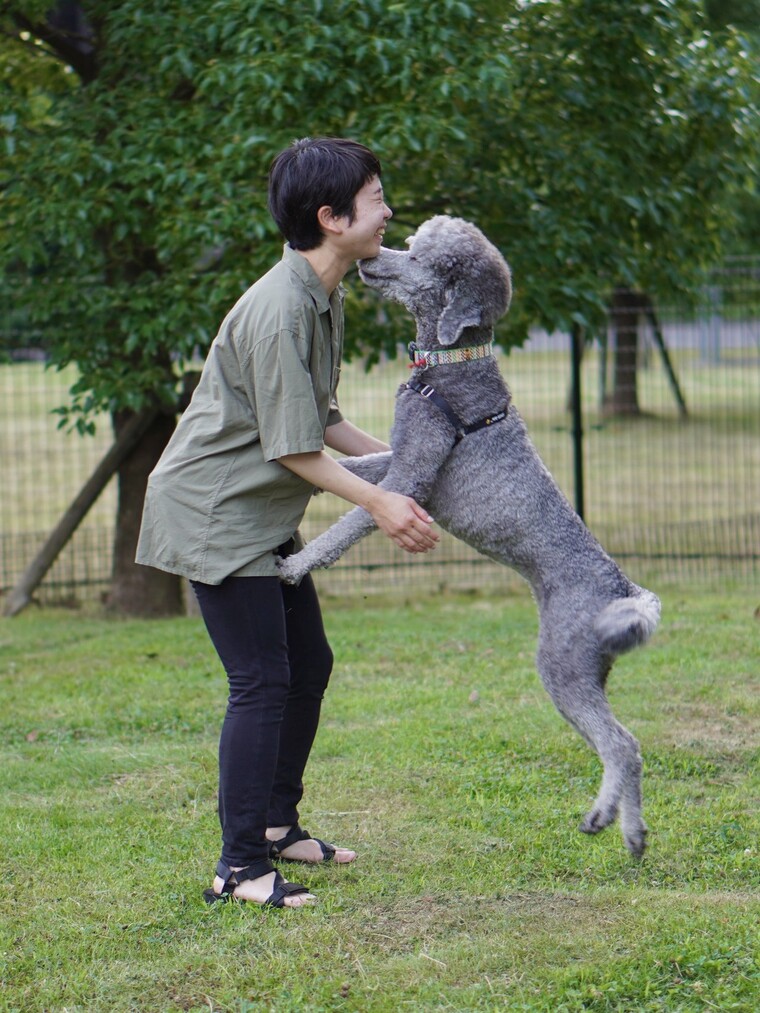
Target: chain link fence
670,453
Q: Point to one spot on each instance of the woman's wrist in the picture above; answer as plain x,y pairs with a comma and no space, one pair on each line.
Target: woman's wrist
373,497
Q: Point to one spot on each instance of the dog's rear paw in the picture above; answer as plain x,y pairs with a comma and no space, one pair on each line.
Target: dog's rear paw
597,819
636,840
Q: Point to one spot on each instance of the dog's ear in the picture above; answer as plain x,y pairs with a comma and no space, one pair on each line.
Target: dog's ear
458,313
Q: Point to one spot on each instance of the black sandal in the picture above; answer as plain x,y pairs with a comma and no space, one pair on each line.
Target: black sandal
294,835
255,871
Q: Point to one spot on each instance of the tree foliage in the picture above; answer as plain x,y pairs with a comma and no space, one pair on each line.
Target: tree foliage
593,141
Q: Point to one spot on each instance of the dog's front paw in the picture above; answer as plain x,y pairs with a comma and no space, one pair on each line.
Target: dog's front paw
291,570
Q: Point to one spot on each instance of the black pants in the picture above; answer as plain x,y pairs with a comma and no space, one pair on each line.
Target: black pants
271,641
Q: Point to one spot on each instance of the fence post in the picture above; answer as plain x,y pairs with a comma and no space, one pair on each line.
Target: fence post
576,352
710,323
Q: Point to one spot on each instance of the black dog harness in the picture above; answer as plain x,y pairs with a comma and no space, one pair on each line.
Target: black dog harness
460,429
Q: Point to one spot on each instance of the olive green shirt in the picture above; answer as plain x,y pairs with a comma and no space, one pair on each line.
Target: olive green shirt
218,503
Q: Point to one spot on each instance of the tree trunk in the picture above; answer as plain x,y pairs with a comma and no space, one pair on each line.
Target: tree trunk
140,590
625,309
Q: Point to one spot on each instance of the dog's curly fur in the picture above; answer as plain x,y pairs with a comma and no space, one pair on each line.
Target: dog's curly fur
492,490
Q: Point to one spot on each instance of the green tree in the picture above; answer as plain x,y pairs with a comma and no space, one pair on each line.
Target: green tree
743,208
627,126
742,14
592,140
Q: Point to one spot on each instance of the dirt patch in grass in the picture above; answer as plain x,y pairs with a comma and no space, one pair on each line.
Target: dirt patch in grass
408,923
702,727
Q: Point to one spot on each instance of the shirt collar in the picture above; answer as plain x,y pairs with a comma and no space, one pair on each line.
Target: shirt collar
301,266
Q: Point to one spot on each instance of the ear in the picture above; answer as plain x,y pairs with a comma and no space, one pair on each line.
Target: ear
327,220
457,314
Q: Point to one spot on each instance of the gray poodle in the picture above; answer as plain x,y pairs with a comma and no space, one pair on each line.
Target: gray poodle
461,449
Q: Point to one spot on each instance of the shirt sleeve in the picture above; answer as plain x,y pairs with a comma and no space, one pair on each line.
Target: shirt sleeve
335,415
281,390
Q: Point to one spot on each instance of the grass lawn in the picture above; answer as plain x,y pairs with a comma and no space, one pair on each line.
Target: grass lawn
442,761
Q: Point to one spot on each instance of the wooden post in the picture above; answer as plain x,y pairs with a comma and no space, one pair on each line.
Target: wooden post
659,339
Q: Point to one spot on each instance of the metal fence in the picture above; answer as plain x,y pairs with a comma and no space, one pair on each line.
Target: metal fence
671,489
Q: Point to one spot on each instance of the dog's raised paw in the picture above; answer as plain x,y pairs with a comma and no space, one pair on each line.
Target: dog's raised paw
290,573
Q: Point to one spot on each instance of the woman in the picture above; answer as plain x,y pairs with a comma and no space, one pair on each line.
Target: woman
232,486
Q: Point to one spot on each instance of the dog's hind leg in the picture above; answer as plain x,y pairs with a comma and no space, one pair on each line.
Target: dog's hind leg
574,678
621,787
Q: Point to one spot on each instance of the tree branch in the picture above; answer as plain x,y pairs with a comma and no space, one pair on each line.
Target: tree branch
68,36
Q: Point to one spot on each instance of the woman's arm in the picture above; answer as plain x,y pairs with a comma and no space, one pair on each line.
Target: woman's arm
348,439
399,517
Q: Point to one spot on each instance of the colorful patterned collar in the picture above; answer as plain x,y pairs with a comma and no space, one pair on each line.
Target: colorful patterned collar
445,356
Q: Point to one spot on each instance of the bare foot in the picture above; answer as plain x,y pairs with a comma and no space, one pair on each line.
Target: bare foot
258,891
308,851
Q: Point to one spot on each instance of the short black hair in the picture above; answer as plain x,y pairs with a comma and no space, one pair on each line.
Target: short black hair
312,173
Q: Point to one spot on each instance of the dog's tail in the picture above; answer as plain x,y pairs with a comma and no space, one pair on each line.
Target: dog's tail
627,622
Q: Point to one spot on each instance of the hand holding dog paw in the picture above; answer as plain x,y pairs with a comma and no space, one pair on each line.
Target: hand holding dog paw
404,521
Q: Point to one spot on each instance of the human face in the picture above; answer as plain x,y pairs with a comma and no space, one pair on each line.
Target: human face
363,237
